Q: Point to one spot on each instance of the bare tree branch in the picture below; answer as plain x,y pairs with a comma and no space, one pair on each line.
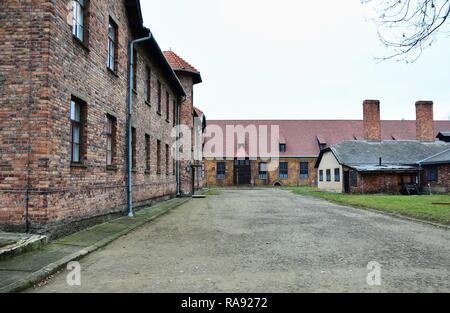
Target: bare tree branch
409,26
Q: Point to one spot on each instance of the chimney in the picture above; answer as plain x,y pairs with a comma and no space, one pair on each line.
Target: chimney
372,123
424,121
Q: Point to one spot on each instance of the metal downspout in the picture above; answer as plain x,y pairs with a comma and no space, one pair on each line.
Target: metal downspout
129,125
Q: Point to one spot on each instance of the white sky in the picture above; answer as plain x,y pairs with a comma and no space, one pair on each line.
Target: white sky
295,59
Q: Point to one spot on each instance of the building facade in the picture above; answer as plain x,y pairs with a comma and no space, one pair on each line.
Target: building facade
295,145
374,165
64,72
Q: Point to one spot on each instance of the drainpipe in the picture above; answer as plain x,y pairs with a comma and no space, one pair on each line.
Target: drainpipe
129,122
183,99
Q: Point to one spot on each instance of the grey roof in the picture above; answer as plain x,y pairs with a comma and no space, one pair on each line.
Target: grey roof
440,158
384,168
366,154
445,133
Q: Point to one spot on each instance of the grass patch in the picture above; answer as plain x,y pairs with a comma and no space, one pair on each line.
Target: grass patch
421,207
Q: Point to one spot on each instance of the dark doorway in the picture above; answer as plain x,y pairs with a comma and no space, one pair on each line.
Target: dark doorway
346,182
242,172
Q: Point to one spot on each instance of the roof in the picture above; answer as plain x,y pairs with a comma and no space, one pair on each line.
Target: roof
198,112
136,21
365,155
439,158
443,134
179,64
302,136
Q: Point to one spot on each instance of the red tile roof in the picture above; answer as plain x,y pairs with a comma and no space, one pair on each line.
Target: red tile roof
178,63
301,136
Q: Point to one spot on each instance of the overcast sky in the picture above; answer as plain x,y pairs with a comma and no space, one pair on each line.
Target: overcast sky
295,59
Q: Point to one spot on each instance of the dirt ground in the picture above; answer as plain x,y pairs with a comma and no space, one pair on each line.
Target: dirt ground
267,241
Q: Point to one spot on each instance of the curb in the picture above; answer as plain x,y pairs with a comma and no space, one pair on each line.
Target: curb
51,268
396,215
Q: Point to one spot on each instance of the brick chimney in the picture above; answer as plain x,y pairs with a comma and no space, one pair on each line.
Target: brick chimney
372,123
424,121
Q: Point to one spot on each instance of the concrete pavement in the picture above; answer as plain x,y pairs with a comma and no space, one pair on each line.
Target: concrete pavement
267,241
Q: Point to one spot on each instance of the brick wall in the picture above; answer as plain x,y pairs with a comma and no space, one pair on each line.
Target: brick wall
381,182
442,185
273,176
43,67
424,121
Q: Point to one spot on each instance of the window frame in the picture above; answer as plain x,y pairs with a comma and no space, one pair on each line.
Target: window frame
337,175
281,170
221,170
148,92
79,6
76,124
282,147
432,174
167,106
302,174
111,141
174,113
133,149
328,174
167,160
147,153
112,46
262,174
321,175
159,97
158,156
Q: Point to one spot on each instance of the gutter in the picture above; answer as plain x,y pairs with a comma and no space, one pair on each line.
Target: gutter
129,122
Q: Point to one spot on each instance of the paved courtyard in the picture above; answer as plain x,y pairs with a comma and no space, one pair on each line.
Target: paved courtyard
267,240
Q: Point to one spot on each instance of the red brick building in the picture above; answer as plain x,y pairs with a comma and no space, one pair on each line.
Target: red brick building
299,143
376,165
64,78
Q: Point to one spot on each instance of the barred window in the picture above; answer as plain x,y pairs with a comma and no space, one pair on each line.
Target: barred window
282,147
304,170
78,18
284,172
221,170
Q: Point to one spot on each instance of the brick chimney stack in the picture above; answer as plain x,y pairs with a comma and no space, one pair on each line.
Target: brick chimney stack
372,122
424,121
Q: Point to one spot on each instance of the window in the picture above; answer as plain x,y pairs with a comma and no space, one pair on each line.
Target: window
158,157
304,170
135,66
112,46
262,170
354,178
432,174
282,147
174,112
76,121
133,148
159,97
284,172
79,19
167,106
337,175
203,169
167,159
328,175
148,89
110,139
320,175
147,152
221,170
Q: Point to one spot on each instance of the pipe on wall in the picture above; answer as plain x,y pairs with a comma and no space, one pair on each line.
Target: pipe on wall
129,124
